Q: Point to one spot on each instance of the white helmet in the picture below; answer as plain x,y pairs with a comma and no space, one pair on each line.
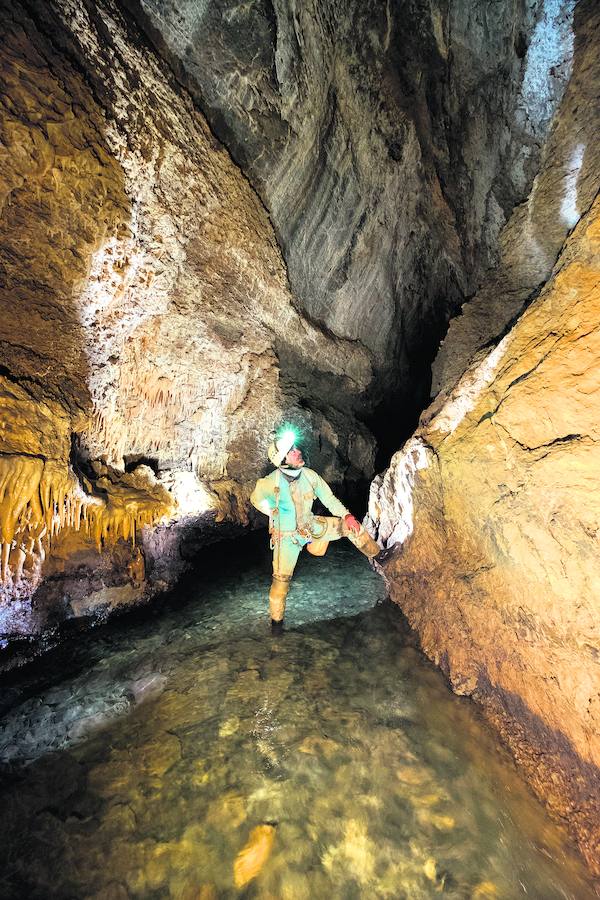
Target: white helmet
280,447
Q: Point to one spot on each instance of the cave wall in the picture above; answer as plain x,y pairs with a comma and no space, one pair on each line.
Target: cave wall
563,189
146,321
491,511
389,143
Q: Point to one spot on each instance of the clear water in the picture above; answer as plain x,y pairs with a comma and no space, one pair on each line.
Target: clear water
139,763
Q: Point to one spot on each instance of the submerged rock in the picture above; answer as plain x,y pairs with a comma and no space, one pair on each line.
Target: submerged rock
253,856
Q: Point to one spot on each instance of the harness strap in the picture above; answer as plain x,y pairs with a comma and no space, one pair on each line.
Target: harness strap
276,533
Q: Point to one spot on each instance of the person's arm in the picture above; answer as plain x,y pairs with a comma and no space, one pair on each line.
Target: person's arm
335,506
262,497
328,498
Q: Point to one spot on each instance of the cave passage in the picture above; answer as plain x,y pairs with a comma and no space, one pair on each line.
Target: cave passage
179,755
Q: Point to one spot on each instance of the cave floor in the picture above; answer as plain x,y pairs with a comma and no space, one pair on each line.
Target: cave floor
179,754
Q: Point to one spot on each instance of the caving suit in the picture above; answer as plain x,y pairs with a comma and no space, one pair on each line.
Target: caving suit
287,499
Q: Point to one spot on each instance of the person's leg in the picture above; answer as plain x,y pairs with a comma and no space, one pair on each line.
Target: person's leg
332,528
285,557
362,541
326,529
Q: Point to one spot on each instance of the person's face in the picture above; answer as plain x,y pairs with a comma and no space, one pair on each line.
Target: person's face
294,458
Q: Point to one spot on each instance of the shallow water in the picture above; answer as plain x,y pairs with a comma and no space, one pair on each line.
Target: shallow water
145,760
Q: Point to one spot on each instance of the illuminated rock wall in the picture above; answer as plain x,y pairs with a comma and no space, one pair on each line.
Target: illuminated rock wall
389,142
145,317
493,508
563,188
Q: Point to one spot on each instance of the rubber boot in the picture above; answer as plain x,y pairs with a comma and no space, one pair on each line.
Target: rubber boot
365,543
277,595
276,628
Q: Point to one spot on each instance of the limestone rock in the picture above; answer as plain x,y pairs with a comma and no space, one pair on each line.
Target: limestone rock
495,513
389,143
149,337
563,189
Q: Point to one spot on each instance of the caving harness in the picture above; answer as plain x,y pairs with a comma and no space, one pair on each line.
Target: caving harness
275,531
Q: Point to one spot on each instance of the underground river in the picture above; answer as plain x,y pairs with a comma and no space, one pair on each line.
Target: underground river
186,753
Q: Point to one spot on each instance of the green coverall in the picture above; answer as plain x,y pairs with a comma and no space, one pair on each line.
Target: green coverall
293,525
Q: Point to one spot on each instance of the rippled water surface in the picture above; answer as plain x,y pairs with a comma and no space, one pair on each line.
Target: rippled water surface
191,755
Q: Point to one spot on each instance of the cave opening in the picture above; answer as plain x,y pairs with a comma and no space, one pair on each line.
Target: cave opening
132,461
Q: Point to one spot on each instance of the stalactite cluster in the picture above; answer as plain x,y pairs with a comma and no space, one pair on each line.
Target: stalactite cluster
41,498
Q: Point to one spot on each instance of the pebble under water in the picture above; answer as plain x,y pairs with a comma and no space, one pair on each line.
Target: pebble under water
189,754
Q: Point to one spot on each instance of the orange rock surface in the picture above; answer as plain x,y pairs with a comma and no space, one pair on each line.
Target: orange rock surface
253,855
495,505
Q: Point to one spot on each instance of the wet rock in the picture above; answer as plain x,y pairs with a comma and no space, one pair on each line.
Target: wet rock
317,746
148,687
430,869
354,855
253,856
441,823
121,774
483,890
106,600
113,891
228,812
413,775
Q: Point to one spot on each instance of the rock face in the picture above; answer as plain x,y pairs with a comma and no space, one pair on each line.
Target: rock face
147,327
389,143
217,216
493,508
563,189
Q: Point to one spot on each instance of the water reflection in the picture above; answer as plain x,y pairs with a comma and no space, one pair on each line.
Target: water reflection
194,756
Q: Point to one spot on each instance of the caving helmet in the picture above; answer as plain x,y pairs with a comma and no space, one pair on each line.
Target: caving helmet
281,446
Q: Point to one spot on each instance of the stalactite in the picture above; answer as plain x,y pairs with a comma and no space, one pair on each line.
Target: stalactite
39,499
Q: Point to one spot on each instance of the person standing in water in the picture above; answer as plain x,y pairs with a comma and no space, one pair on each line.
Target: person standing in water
286,495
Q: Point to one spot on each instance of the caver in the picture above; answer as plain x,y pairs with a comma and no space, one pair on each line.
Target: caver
286,495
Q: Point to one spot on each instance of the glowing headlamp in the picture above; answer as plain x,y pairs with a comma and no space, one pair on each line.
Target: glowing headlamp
286,441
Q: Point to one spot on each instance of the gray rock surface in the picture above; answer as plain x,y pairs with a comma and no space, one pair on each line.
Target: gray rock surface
389,143
562,192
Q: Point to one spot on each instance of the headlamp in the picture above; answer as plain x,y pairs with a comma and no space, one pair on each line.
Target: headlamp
286,441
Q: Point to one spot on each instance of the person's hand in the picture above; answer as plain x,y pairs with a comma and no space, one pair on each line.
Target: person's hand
351,523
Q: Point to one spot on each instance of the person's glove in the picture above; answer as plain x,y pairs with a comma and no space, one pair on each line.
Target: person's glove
351,523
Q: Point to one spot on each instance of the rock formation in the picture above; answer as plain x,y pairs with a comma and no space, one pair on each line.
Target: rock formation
214,217
389,143
492,508
146,315
150,338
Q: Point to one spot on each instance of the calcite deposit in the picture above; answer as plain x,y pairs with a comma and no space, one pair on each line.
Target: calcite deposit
389,143
149,339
